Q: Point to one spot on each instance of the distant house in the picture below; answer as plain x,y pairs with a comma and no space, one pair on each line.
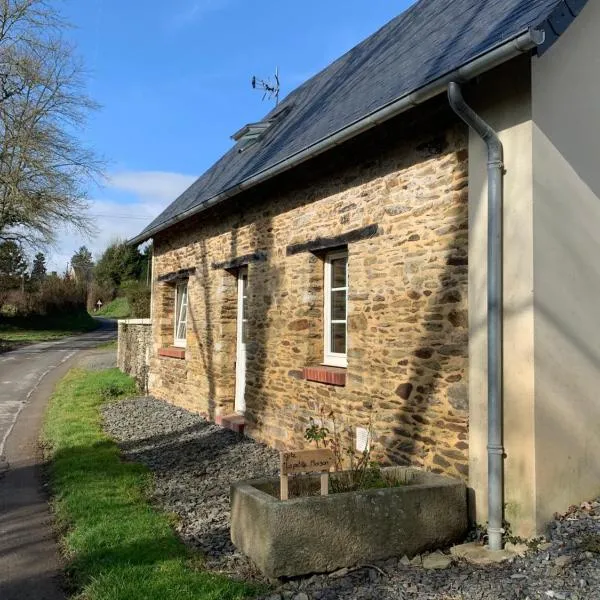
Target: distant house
336,256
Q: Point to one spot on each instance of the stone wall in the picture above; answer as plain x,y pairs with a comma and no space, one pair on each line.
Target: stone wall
407,331
133,355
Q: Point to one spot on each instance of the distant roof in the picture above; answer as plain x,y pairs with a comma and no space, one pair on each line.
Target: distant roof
427,41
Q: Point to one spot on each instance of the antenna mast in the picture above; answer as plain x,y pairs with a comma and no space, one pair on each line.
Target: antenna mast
270,88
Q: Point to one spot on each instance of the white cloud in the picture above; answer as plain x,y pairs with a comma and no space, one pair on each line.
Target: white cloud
159,185
151,192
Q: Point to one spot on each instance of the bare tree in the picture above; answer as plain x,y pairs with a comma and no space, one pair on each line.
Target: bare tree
44,166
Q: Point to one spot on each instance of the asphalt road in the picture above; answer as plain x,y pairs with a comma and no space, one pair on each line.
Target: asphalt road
29,560
22,370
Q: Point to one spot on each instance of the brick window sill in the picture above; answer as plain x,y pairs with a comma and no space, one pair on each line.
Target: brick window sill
172,352
323,374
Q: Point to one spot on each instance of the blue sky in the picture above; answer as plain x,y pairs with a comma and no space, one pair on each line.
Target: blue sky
173,79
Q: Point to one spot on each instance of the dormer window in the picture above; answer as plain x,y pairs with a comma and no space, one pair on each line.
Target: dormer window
252,132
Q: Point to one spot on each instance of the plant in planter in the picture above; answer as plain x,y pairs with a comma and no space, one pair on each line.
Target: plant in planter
354,470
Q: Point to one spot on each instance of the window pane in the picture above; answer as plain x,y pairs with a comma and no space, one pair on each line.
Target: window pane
244,326
338,272
181,312
338,305
338,338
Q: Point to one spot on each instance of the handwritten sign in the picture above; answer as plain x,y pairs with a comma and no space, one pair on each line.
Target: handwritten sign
306,461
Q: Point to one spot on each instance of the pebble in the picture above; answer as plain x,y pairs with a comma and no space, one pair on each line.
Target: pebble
562,561
437,560
194,462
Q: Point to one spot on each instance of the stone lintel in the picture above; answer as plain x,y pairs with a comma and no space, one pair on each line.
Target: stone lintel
241,261
176,275
319,244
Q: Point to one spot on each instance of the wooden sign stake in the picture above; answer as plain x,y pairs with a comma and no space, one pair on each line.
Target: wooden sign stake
324,484
283,480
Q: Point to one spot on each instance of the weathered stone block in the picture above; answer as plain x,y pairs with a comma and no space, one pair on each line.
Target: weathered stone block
323,533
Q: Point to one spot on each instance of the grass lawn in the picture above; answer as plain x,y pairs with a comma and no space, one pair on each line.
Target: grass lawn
112,345
22,330
118,547
117,309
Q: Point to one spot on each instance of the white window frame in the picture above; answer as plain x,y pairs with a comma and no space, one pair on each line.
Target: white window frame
180,342
333,359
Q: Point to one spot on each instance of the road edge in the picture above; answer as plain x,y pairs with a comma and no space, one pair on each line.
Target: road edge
25,476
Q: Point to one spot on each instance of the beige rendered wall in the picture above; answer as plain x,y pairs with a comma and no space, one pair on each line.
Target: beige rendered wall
566,221
503,98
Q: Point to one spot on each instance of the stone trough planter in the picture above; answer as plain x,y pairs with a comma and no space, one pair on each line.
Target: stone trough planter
320,534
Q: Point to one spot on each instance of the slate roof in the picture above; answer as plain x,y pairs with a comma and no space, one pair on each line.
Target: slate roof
427,41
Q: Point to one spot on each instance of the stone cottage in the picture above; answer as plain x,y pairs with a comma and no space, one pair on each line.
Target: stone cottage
335,257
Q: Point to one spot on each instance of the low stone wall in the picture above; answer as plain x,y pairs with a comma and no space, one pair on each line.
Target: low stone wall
133,357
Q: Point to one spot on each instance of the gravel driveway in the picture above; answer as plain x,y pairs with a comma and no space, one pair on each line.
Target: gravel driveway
194,462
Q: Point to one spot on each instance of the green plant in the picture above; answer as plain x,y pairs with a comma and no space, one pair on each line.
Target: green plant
116,309
354,470
138,297
111,390
316,433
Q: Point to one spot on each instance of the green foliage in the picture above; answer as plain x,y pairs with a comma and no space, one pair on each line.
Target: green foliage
13,265
114,389
138,297
118,546
117,309
57,295
146,272
316,433
120,262
103,292
354,470
38,270
83,264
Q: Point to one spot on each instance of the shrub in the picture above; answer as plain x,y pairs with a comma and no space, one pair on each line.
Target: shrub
55,296
138,296
100,291
363,472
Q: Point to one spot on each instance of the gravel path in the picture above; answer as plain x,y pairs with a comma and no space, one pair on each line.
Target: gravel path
194,463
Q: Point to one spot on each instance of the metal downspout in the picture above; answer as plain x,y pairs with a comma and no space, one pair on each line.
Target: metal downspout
495,447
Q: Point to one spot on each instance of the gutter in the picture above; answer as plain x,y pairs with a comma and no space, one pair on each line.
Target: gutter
520,44
495,308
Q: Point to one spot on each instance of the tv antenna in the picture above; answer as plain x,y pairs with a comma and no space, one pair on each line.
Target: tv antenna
270,88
